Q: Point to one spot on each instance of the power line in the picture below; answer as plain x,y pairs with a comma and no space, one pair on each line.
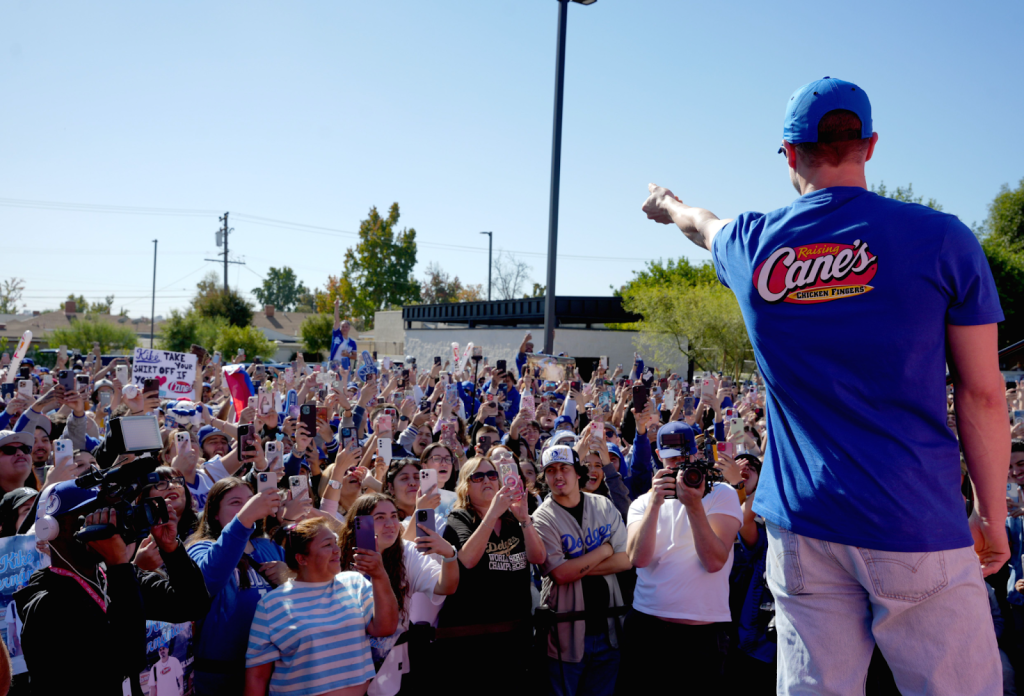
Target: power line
272,222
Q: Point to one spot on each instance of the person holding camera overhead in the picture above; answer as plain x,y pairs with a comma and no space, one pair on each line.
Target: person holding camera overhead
100,615
680,538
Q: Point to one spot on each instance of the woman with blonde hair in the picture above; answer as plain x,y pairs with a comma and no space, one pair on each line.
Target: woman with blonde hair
496,543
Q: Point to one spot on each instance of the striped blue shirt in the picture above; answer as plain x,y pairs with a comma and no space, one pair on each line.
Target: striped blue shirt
315,633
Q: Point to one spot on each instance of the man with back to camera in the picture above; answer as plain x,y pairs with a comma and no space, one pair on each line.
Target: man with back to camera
680,539
854,303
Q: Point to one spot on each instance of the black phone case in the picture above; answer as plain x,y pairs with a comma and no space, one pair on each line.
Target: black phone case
307,416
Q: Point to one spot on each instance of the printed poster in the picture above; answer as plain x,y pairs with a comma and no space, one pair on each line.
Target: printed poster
170,659
19,558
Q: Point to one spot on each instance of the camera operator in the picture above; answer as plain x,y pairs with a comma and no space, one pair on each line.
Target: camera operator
680,539
99,611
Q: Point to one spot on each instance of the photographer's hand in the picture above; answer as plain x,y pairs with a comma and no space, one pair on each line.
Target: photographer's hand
166,535
112,550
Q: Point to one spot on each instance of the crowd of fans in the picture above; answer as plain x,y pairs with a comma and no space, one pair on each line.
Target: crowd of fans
455,522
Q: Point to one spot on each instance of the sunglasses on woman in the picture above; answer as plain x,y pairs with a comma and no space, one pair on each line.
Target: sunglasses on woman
479,476
11,450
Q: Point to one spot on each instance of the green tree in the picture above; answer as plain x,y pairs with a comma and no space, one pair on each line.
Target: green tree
702,322
281,288
1002,238
213,301
440,288
182,329
86,330
248,338
378,271
316,333
10,295
662,274
905,194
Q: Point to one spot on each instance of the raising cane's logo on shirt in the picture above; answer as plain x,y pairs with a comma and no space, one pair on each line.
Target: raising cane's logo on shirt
816,273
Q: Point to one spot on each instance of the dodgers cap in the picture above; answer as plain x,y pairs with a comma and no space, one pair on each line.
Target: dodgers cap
815,99
676,439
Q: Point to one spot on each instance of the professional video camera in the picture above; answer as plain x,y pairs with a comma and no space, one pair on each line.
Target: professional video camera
120,487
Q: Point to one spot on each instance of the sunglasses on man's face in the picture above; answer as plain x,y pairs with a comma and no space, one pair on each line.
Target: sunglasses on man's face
479,476
11,450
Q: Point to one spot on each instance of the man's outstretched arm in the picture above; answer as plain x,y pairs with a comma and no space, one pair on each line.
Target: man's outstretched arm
700,226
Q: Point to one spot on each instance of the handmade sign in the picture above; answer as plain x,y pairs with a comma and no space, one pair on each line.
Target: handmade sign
176,372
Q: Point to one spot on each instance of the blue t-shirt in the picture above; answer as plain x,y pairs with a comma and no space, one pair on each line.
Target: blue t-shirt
846,296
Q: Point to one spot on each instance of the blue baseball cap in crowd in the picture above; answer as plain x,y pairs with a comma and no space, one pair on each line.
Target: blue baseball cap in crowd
64,498
208,430
676,439
614,451
563,420
815,99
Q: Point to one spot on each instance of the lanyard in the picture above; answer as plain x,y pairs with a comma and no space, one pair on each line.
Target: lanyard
85,586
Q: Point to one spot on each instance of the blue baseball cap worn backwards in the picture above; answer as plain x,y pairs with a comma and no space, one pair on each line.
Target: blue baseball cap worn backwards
815,99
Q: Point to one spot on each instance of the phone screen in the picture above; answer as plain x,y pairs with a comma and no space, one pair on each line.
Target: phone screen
246,440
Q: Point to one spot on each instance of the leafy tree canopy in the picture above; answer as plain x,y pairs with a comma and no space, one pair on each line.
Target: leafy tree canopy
281,288
378,271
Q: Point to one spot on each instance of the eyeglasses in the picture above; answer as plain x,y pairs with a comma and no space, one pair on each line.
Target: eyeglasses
11,450
502,456
176,481
479,476
438,459
610,433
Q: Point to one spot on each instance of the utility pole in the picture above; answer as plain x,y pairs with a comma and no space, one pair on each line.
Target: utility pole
490,262
222,238
224,233
152,306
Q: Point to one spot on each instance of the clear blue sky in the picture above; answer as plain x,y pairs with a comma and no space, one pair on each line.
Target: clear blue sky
312,112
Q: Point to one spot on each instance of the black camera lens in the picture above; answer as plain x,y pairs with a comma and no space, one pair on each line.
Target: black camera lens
693,477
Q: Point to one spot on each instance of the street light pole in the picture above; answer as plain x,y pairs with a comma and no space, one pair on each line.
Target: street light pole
556,164
152,306
490,261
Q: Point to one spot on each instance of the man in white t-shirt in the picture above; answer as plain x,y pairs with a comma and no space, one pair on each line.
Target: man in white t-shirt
680,539
166,677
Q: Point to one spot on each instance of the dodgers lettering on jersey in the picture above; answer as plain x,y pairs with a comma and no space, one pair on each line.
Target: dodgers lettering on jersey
575,546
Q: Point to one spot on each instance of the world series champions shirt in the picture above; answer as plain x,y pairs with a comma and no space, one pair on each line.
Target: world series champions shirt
846,296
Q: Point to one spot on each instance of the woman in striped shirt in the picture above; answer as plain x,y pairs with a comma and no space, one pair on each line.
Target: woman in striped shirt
311,635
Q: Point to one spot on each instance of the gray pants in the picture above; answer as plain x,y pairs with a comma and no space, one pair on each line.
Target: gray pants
928,612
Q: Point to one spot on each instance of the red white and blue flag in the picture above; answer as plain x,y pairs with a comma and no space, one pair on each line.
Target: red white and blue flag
239,385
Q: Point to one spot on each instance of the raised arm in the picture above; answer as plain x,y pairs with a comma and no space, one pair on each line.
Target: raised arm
700,226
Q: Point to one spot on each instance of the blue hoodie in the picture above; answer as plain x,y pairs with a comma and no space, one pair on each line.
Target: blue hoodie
224,636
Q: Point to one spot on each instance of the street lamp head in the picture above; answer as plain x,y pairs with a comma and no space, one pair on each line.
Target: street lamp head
585,2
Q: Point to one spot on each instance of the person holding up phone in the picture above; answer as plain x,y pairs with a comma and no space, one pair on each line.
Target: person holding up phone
585,543
424,570
240,566
497,542
312,635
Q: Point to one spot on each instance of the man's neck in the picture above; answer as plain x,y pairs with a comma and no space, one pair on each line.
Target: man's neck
69,560
569,501
814,179
9,483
